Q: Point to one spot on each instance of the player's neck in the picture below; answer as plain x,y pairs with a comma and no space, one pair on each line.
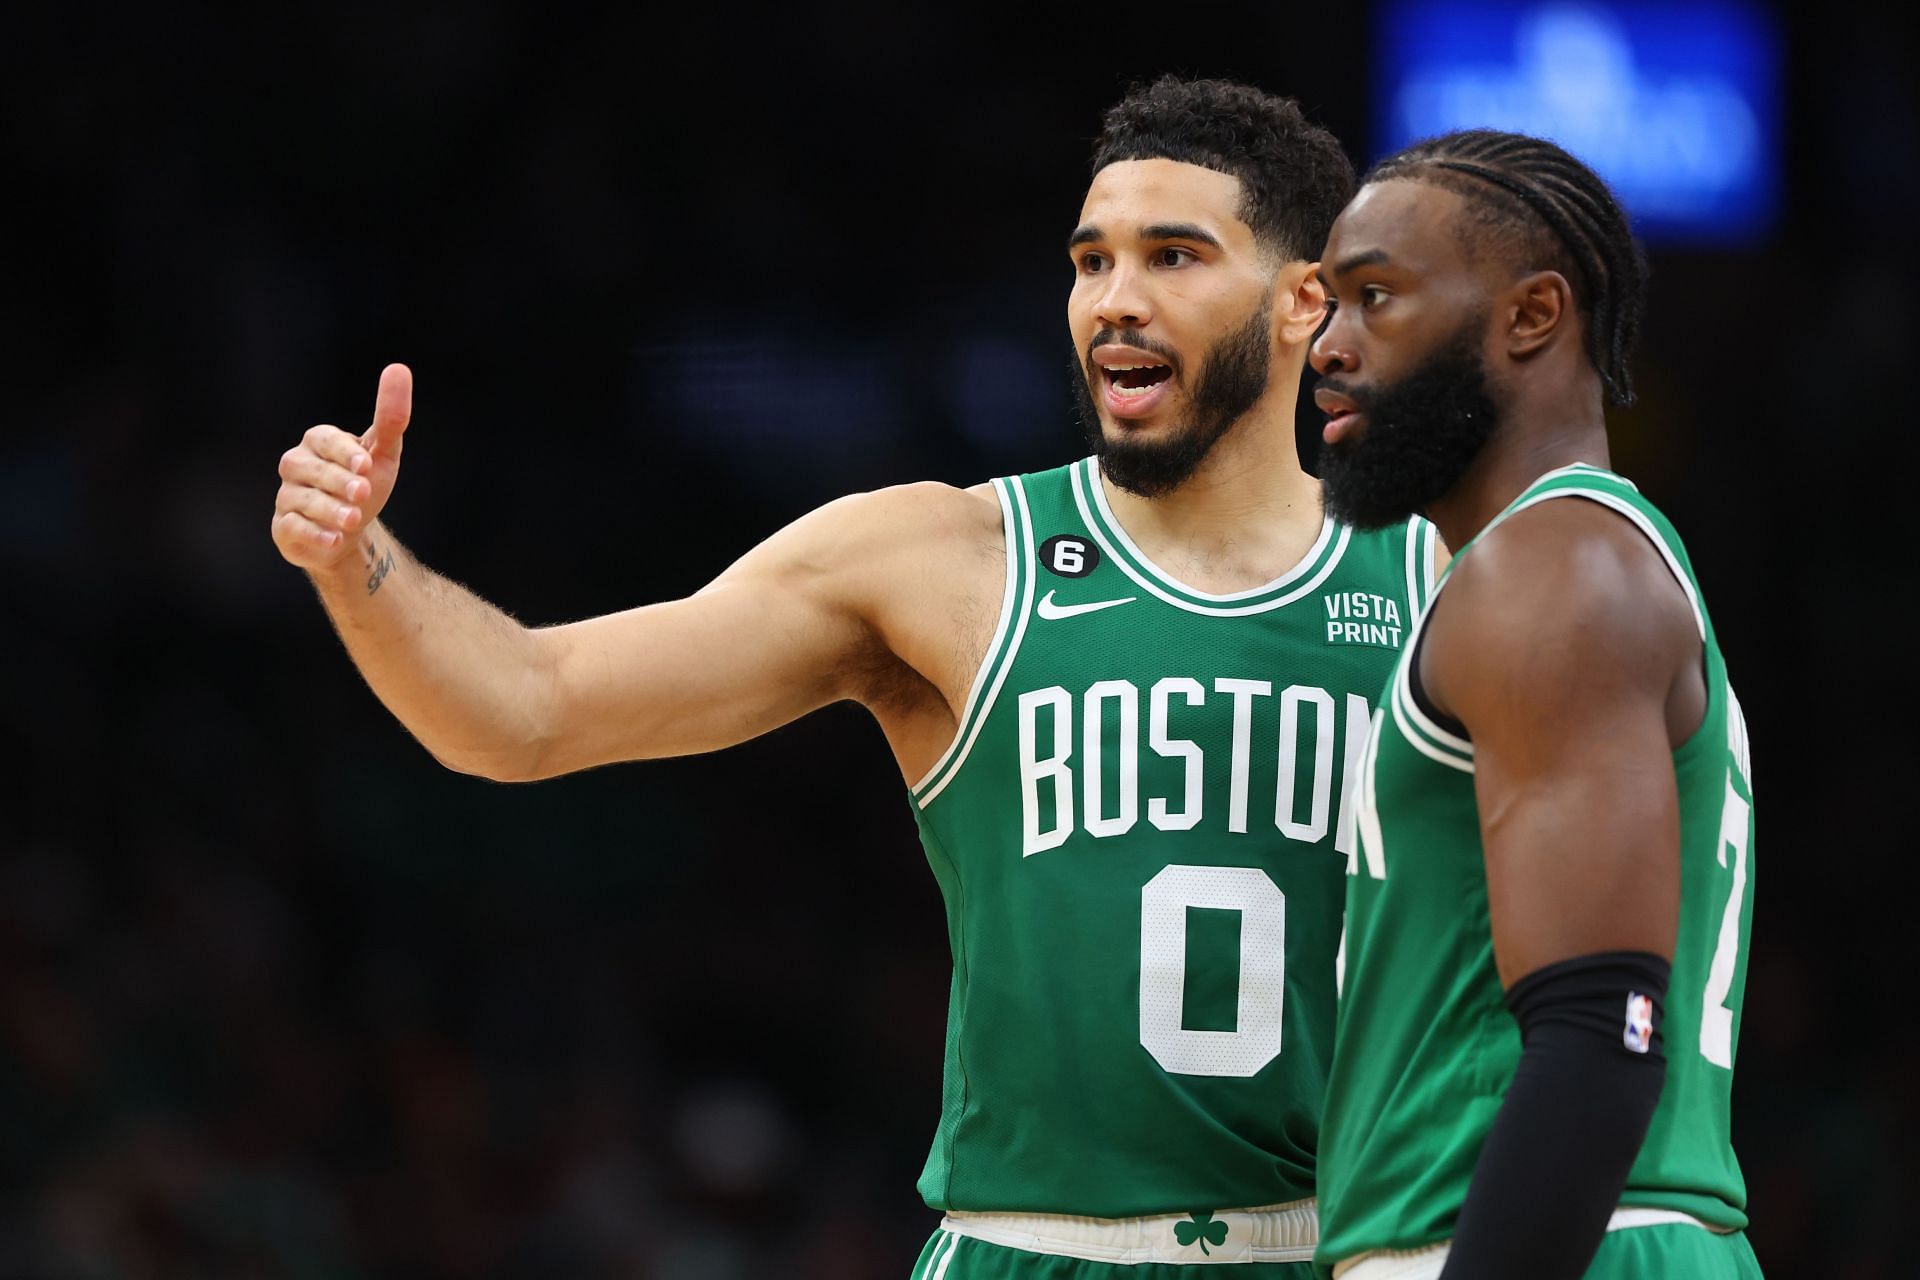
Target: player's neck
1244,517
1529,443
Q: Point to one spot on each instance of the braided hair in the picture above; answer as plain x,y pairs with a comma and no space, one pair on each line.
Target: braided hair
1557,213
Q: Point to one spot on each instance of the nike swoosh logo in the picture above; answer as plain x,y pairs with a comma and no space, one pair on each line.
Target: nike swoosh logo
1049,610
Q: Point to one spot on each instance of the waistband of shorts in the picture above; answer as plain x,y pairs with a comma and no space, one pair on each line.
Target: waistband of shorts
1273,1233
1391,1264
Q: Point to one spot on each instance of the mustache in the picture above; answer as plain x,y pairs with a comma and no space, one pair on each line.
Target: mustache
1130,338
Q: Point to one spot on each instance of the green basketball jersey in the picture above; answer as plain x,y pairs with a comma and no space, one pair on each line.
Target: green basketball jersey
1426,1045
1140,834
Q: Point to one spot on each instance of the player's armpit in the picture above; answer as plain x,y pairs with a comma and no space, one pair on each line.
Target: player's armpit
795,624
1564,646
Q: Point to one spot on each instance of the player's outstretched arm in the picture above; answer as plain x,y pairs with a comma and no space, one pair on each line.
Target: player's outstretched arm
1572,657
852,601
802,620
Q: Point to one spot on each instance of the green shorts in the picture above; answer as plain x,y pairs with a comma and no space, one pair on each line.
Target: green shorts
1674,1249
1663,1251
952,1257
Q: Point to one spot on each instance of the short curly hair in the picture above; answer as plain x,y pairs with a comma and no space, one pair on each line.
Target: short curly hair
1294,176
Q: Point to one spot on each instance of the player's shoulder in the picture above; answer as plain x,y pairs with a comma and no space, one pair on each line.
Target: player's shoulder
875,543
1571,581
913,516
1572,553
929,502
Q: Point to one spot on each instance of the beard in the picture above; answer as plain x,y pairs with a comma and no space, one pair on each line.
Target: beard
1421,434
1232,379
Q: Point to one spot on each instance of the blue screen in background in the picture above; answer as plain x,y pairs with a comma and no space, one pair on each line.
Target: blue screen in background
1676,105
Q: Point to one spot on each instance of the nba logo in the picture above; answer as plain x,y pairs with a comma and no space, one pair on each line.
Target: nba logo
1639,1033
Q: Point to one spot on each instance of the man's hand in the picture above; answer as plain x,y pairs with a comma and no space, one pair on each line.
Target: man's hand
334,484
833,606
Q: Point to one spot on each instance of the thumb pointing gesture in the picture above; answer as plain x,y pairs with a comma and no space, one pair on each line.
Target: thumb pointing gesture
380,464
392,410
333,484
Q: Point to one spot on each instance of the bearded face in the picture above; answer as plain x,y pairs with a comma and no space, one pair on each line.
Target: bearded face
1233,376
1418,437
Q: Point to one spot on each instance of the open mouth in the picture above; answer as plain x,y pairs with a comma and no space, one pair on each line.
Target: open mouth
1129,380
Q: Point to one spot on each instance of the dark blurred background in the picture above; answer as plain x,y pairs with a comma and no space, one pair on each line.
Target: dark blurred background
281,997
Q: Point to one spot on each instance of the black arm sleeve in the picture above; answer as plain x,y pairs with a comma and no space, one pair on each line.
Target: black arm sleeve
1591,1067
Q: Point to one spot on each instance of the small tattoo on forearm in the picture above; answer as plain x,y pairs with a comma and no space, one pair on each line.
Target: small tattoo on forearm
381,568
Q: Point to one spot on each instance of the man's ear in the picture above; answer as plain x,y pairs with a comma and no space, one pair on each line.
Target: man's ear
1299,303
1538,307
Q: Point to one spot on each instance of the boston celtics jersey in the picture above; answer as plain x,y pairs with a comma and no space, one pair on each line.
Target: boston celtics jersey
1426,1044
1140,834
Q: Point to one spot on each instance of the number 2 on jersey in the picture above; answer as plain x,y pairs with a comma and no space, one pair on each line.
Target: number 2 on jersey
1736,828
1255,1038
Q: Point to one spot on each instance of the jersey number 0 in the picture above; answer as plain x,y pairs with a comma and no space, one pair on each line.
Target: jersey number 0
1255,1038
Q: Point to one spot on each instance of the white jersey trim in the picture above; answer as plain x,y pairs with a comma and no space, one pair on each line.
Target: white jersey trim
1431,569
1441,736
1009,535
1420,743
996,662
1274,1233
1154,588
1126,540
1416,726
1420,539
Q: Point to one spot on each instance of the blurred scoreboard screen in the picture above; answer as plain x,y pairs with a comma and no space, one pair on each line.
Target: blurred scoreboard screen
1676,105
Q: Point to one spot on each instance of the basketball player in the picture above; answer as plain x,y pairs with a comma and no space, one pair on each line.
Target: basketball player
1548,914
1128,696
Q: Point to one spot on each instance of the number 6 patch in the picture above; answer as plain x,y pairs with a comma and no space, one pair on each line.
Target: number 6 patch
1069,555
